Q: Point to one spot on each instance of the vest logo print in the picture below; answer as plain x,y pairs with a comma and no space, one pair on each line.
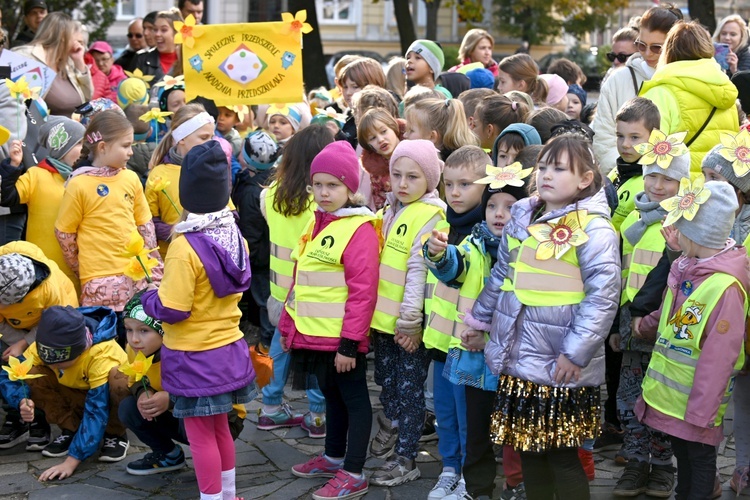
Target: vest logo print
102,190
625,195
58,137
401,230
327,242
681,322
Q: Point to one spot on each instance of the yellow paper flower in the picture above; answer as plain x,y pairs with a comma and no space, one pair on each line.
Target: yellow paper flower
278,108
155,114
557,236
661,148
138,368
297,22
171,81
138,269
187,32
136,246
20,89
690,197
499,177
241,112
736,149
20,371
159,184
139,75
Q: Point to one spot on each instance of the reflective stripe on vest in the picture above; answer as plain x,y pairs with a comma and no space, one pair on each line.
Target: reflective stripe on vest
669,379
640,259
444,323
320,290
746,244
431,282
284,233
396,252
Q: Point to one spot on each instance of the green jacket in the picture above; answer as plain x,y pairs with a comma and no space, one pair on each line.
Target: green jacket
685,92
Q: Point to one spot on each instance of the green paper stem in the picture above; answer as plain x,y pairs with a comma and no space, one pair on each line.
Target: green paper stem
148,278
171,201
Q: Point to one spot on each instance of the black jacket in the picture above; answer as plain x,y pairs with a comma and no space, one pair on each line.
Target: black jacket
246,197
148,63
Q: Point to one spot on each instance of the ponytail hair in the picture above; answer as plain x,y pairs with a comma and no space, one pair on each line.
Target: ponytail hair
500,111
447,118
182,115
106,126
522,67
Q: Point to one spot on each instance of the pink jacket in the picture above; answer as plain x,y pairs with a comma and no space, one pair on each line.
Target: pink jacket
115,76
361,260
719,347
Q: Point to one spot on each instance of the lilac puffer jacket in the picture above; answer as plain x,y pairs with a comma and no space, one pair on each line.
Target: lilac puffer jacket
525,341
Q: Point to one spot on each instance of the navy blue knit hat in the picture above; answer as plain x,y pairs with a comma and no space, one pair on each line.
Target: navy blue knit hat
578,91
204,179
61,334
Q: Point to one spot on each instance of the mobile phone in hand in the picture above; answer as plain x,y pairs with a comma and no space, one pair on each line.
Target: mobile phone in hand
721,50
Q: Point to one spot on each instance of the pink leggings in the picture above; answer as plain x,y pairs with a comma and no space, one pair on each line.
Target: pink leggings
212,448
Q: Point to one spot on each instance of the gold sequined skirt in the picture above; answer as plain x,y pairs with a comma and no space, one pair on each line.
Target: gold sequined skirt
537,418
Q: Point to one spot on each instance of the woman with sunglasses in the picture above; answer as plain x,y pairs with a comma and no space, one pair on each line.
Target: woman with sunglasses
692,92
732,30
625,83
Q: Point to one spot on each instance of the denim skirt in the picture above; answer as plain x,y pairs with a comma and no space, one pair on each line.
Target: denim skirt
205,406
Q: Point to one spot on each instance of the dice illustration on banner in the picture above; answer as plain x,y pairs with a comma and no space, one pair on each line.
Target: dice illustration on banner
243,65
196,63
287,59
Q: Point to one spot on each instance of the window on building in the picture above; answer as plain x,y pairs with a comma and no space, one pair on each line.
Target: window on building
125,9
337,11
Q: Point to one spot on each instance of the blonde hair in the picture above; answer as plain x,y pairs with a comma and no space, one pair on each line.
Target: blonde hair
368,121
341,64
395,76
446,117
54,35
733,18
470,42
181,116
373,96
471,158
521,67
106,126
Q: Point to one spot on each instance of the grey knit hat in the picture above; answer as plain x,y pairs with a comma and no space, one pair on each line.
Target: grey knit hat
716,162
714,219
665,154
59,134
16,277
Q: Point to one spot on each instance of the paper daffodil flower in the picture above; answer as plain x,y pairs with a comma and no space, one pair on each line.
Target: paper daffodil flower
137,73
557,236
241,111
155,114
690,197
159,184
499,177
661,148
20,89
169,82
187,32
331,113
296,23
138,268
20,371
736,149
278,108
138,368
136,247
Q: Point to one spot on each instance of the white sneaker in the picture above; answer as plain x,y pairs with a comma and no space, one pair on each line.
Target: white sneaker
459,493
446,483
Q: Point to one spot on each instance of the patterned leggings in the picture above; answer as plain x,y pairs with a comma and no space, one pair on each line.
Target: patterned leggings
401,376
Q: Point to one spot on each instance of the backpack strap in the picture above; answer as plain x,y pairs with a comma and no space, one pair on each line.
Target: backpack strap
635,81
692,139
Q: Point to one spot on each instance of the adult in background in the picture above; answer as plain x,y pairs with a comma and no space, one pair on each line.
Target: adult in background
477,46
732,30
58,45
623,46
692,92
136,43
193,7
163,58
34,12
149,30
105,61
625,84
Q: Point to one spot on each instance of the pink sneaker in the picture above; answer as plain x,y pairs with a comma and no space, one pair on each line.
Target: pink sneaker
285,417
342,486
318,466
315,427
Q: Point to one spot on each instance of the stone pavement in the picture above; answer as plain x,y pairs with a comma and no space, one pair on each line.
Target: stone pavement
263,463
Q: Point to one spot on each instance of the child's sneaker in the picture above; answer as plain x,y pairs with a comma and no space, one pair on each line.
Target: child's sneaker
318,466
315,426
384,443
39,434
446,484
660,481
429,429
739,479
518,492
156,463
633,480
611,438
400,470
59,447
114,448
342,486
460,492
285,417
12,433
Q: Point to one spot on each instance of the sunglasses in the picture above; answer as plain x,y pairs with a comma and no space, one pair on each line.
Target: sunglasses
137,35
620,57
643,47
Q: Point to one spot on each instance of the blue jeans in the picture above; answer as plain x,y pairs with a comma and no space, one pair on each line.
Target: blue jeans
274,391
11,227
450,412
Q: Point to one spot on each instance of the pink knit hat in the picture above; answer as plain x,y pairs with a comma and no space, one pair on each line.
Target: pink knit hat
557,88
339,160
425,155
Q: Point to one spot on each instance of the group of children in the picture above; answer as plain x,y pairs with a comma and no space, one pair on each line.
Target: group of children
473,234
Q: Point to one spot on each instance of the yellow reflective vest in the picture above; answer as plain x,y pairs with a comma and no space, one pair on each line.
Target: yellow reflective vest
638,260
670,374
284,233
320,292
444,323
396,252
626,194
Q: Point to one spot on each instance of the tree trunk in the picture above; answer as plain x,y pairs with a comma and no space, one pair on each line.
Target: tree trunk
703,11
406,32
312,52
432,7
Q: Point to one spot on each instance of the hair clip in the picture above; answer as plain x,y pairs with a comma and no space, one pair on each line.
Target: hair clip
94,137
513,105
447,102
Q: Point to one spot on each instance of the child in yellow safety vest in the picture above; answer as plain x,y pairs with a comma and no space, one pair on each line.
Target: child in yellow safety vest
548,305
642,247
401,362
701,329
327,315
